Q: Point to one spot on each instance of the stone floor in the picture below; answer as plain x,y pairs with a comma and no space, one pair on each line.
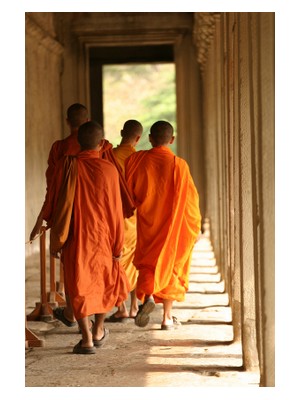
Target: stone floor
201,353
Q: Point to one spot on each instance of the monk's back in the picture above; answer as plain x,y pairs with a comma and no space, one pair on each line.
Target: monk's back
66,147
155,180
96,204
153,193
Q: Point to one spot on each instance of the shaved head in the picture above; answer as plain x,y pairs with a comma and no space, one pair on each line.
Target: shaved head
161,133
90,135
131,129
77,114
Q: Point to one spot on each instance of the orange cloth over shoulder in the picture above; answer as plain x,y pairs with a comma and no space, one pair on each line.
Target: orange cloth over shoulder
122,152
168,221
94,281
70,146
59,149
63,202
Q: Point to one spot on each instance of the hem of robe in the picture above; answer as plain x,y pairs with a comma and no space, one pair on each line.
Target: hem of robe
84,304
145,287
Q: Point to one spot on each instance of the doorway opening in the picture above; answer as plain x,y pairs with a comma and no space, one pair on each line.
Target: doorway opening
145,92
132,82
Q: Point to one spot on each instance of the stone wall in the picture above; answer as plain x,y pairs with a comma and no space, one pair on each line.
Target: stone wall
43,57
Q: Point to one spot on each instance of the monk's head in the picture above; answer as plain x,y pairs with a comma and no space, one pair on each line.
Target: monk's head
131,132
77,114
90,135
161,134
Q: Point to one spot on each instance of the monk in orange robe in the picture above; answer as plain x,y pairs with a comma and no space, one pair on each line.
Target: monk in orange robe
77,114
131,133
84,212
168,223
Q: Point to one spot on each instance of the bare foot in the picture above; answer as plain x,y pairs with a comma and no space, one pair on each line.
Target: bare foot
133,311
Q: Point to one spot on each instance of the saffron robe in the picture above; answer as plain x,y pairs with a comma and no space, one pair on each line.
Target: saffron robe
95,282
168,222
70,146
122,152
59,149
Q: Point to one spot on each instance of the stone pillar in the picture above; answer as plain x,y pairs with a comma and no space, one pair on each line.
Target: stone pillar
189,116
236,56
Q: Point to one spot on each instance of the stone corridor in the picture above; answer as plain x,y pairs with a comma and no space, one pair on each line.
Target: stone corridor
201,352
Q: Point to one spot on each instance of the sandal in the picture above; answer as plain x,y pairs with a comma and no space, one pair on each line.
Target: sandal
100,342
142,317
59,314
113,318
78,349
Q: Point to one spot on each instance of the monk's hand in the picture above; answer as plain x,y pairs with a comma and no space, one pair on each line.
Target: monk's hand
55,254
37,227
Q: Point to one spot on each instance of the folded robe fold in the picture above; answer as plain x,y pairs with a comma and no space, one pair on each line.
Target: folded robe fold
61,219
121,153
127,202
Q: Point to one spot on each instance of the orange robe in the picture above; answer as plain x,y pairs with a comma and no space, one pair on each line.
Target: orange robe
59,149
94,281
70,146
122,152
168,222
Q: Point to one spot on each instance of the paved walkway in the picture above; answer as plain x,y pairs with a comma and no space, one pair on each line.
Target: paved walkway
202,352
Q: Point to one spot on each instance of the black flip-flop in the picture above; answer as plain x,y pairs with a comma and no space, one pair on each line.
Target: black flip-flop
100,342
113,318
142,317
78,349
59,314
